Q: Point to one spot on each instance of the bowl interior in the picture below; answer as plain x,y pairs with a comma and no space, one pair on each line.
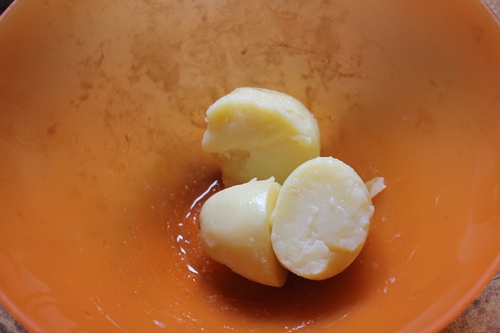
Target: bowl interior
102,108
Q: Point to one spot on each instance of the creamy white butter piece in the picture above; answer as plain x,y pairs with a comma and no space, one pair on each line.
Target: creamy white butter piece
235,230
260,133
375,186
321,218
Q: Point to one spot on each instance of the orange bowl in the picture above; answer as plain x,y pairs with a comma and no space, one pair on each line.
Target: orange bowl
102,175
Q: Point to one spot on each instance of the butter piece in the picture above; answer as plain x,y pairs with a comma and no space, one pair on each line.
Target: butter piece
260,133
235,230
321,218
375,186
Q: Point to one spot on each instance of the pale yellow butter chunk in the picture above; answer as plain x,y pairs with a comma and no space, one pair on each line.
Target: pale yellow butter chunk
321,218
260,133
375,186
235,230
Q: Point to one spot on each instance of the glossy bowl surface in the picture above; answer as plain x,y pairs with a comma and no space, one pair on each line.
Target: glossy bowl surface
102,174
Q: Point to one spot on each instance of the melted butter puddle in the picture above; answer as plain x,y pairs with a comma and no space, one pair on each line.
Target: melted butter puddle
190,250
200,200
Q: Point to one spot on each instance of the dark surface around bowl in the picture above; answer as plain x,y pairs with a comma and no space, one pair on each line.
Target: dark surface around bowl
4,4
483,315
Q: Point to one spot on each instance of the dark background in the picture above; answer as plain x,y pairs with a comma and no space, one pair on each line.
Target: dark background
4,4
